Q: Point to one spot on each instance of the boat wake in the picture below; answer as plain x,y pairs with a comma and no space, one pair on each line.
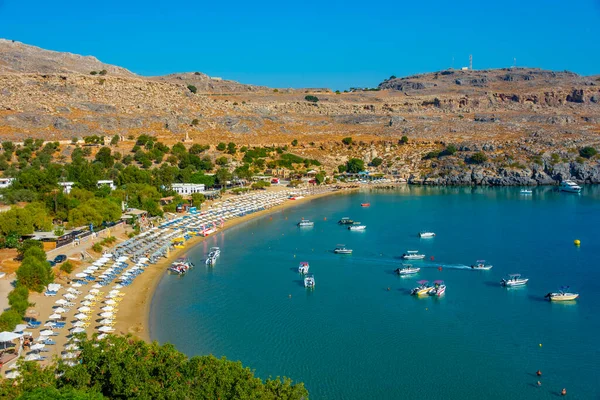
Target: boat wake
443,266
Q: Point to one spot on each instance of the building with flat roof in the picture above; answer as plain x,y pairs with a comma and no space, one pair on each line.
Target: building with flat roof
187,188
67,186
108,183
6,182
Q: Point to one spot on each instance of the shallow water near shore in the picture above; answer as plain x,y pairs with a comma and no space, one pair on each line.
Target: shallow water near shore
352,338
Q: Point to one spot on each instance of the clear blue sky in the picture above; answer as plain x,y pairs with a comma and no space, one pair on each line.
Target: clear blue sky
336,44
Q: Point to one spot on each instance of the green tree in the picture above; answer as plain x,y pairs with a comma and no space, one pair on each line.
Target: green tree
295,142
221,161
221,146
222,176
115,140
67,267
376,162
342,168
192,88
403,140
355,165
198,199
9,319
34,274
587,152
231,148
105,158
347,141
478,158
29,244
311,98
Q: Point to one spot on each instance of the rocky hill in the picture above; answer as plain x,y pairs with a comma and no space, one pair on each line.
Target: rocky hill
518,117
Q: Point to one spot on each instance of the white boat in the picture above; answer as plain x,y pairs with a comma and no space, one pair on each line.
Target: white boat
526,191
211,258
412,255
345,221
305,223
569,186
562,295
341,249
309,281
425,235
439,288
423,289
481,266
407,269
303,267
357,227
514,280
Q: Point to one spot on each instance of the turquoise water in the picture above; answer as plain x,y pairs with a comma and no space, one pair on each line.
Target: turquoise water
351,338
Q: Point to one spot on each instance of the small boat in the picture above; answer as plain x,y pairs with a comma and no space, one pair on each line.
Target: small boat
412,255
303,267
309,281
211,258
180,266
569,186
425,235
305,223
514,280
345,221
341,249
526,191
365,204
481,266
357,227
439,288
421,290
407,269
562,295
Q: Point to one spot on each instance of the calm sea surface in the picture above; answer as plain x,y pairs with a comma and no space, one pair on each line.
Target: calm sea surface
352,338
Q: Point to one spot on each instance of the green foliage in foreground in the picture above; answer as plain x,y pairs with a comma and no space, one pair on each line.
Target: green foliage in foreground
588,152
122,367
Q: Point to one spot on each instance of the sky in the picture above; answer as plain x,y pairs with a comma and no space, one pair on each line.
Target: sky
334,44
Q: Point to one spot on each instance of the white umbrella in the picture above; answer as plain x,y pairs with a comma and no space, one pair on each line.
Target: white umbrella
9,336
81,275
86,303
90,297
79,324
97,286
76,285
107,321
106,314
32,357
37,346
12,374
60,310
107,256
41,339
20,328
81,316
94,291
92,268
71,290
102,336
108,308
122,258
70,296
67,356
55,316
84,309
47,332
106,329
61,301
72,347
77,330
114,291
50,324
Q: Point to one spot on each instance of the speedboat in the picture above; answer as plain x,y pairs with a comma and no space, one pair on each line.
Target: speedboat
211,258
180,267
341,249
365,204
303,267
526,191
305,223
309,281
514,280
425,235
407,269
562,295
357,227
439,288
413,255
421,290
481,265
569,186
345,221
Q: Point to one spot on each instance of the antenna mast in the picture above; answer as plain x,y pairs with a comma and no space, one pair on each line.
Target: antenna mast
471,62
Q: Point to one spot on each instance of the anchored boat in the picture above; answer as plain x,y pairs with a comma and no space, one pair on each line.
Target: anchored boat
345,221
211,258
425,235
562,295
439,288
421,290
412,255
407,269
481,265
569,186
341,249
514,280
357,227
309,282
303,267
305,223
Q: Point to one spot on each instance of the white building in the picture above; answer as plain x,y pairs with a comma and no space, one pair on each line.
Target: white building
67,186
110,184
6,182
187,188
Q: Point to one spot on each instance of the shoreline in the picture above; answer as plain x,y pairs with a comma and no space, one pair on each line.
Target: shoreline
134,314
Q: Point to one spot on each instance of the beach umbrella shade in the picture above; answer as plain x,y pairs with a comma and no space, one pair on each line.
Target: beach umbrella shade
55,316
94,291
70,296
72,346
20,328
60,310
106,314
9,336
72,290
32,357
81,275
37,346
84,309
110,302
81,316
47,332
79,324
86,303
50,324
107,321
12,374
89,297
61,301
108,308
41,339
77,330
102,336
106,329
76,285
97,286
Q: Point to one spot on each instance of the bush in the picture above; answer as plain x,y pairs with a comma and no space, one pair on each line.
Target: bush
192,88
221,161
295,142
355,165
221,146
97,247
588,152
376,162
403,140
478,158
341,168
431,154
29,244
34,274
195,122
67,267
9,320
312,99
347,141
94,73
449,150
103,72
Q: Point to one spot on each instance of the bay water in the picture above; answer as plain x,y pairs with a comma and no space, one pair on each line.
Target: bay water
359,334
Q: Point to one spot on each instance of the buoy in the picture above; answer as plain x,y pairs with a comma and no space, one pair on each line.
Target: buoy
439,268
538,373
427,309
431,258
539,383
295,257
388,289
325,219
540,345
563,392
290,296
577,242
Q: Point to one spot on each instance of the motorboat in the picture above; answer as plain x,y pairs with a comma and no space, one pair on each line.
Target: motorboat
562,295
180,266
569,186
211,258
345,221
407,269
412,255
303,267
439,288
341,249
306,223
365,204
309,281
421,290
425,235
357,227
481,266
514,280
526,191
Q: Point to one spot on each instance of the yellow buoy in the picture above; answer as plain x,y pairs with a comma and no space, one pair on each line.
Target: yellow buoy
577,242
540,345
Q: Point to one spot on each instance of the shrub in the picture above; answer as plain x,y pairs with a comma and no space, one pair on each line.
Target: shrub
93,73
231,148
221,146
195,122
588,152
555,158
97,247
67,267
347,141
29,244
103,72
403,140
9,320
376,162
431,154
449,150
355,165
192,88
312,99
295,142
221,161
275,90
260,185
341,168
478,158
